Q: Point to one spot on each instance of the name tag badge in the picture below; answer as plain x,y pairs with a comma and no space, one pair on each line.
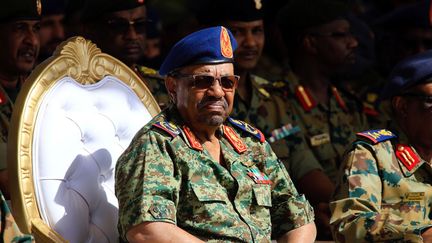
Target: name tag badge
320,139
414,196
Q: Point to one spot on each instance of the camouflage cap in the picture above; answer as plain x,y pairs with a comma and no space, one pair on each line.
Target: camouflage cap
94,9
20,10
299,15
409,73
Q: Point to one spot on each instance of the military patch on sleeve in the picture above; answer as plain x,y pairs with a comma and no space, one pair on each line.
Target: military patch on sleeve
247,128
168,127
377,136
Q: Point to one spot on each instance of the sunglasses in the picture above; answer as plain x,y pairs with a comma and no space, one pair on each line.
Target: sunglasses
203,81
120,25
426,99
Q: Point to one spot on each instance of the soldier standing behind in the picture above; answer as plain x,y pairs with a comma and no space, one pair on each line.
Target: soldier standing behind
19,25
385,194
321,46
193,173
118,27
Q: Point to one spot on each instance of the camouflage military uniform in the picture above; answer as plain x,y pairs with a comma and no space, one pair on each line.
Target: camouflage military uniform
164,176
385,194
272,115
155,83
327,128
9,230
5,115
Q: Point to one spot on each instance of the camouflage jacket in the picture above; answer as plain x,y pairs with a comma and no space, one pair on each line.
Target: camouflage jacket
155,83
5,116
385,192
165,176
272,115
9,229
327,128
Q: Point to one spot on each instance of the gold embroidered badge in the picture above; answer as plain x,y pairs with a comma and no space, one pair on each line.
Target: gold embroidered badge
225,43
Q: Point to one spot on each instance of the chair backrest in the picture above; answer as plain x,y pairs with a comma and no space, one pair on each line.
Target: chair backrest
77,112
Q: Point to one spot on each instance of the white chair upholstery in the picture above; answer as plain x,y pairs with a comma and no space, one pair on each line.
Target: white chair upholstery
70,137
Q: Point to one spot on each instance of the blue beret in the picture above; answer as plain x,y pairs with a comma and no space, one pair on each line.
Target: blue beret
207,46
412,71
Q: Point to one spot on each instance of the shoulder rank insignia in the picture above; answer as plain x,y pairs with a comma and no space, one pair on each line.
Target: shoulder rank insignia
339,99
247,128
235,141
193,141
305,99
168,127
407,156
377,136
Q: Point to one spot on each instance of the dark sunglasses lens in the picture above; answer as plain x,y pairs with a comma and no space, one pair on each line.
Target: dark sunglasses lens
203,81
118,26
141,26
228,82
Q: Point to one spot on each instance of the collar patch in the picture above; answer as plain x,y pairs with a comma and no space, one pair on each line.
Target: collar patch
235,141
193,141
407,156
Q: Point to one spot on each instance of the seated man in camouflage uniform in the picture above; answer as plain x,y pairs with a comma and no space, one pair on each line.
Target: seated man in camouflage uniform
118,27
385,194
193,173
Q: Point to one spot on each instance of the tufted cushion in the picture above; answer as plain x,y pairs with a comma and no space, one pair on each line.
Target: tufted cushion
80,132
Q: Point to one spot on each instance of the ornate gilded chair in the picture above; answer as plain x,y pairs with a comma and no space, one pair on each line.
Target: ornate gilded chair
76,113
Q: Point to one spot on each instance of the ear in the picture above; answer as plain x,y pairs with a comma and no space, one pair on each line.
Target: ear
400,106
171,86
309,44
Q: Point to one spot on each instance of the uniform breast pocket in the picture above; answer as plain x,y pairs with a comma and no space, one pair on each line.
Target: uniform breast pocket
209,205
260,209
410,212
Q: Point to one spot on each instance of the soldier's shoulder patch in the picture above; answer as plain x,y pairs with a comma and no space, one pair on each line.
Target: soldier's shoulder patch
376,136
407,156
247,128
168,127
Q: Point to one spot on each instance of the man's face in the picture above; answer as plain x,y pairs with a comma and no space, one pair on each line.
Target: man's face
122,34
51,33
19,43
418,114
201,104
250,39
335,44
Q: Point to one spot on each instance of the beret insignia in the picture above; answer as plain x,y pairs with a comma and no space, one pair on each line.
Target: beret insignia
225,43
39,7
377,136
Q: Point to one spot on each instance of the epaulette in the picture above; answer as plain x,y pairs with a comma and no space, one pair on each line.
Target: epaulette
376,136
247,128
168,127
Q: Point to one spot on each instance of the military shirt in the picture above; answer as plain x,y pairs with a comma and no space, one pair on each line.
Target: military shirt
5,116
385,192
271,114
164,176
155,83
327,128
9,229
